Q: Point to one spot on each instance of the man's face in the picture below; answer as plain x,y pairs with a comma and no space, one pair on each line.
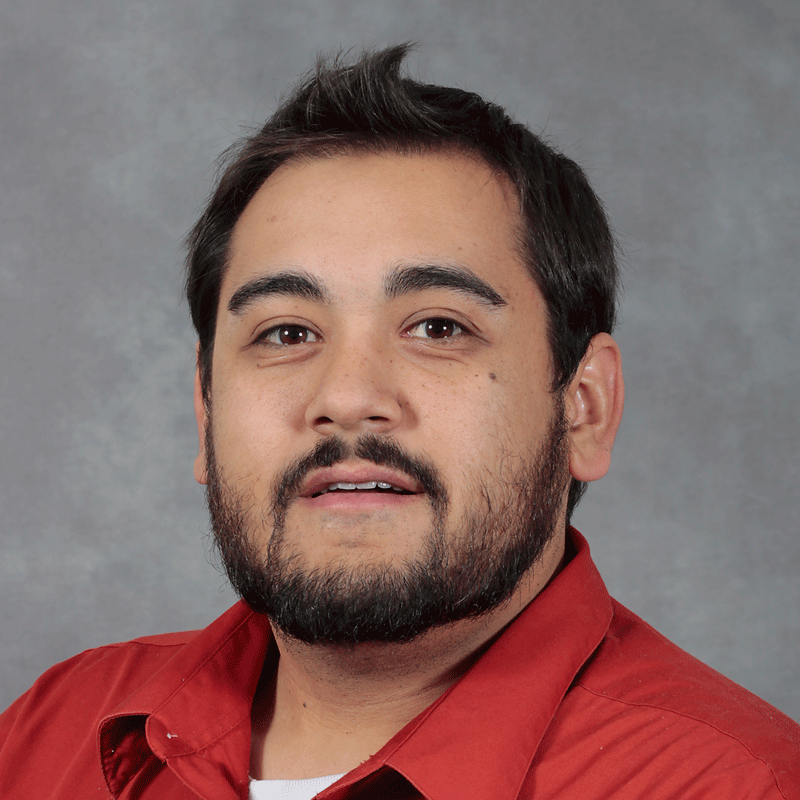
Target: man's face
377,328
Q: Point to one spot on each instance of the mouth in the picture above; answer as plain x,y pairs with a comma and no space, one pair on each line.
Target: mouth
366,486
362,480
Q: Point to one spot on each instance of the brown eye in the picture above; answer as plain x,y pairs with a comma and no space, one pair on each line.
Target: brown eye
436,328
288,335
440,328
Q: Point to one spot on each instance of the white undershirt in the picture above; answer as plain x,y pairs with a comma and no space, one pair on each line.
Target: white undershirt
303,789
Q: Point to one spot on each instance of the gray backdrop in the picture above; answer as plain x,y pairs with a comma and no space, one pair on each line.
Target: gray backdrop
684,113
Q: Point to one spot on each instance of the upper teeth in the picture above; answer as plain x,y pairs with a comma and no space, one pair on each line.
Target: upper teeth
349,487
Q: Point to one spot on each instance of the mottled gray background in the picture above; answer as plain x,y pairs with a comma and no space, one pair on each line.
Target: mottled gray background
686,116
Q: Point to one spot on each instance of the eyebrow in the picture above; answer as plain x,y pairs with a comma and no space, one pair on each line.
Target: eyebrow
417,277
400,281
293,283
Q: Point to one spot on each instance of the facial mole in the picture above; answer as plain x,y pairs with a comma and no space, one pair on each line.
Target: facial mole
492,376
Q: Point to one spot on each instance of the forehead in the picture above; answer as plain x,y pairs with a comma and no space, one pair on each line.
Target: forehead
365,213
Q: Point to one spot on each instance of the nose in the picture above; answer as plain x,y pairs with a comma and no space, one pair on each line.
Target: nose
356,392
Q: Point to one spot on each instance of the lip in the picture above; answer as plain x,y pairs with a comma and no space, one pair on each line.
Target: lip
362,473
357,503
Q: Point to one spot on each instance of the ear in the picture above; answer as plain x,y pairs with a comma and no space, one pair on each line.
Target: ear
201,414
594,402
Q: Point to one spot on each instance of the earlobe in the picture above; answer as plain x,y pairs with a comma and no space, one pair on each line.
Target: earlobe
594,402
201,414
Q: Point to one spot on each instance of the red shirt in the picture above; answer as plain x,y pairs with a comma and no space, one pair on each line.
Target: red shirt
578,698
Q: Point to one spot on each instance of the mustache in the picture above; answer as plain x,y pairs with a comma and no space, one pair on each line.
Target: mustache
381,451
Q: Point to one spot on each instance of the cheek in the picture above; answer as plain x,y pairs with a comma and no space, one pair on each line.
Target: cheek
253,430
504,413
464,425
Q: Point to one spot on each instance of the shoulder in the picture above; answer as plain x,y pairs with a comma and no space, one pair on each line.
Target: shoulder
129,659
679,716
91,683
48,737
54,740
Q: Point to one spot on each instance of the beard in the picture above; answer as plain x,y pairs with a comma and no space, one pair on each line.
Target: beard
462,571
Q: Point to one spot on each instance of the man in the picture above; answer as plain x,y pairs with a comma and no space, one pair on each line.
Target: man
405,378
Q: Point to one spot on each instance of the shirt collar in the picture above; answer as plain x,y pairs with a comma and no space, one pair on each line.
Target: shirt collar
479,739
476,741
198,701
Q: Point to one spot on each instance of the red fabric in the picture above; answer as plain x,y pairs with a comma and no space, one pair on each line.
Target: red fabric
578,698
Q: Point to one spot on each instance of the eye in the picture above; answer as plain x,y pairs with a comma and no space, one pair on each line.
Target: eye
436,328
283,335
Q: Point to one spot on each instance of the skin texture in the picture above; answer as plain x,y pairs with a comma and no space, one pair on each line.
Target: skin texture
347,358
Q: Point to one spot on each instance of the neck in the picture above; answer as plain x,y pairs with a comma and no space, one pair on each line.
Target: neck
328,707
